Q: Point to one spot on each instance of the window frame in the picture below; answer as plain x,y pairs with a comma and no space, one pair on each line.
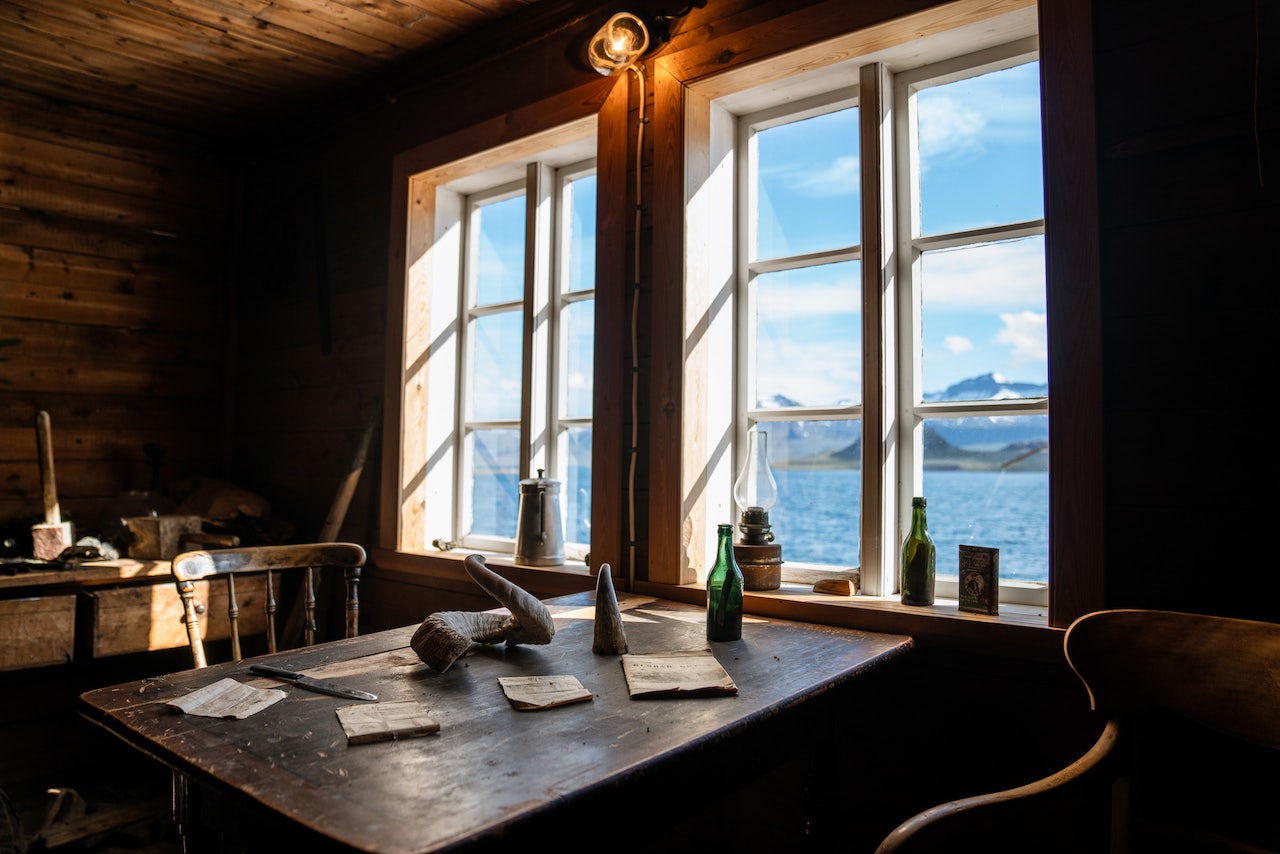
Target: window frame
423,304
686,84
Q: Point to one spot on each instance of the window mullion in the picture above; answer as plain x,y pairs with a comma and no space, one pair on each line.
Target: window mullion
535,443
877,536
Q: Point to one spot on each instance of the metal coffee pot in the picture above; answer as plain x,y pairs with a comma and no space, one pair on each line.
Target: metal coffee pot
539,536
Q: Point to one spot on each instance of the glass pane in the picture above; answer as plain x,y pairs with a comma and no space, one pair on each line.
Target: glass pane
580,195
495,483
494,384
980,158
987,481
984,328
577,489
499,256
807,185
817,465
579,320
808,329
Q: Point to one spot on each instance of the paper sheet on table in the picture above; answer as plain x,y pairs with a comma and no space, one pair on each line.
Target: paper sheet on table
542,692
684,673
226,698
386,721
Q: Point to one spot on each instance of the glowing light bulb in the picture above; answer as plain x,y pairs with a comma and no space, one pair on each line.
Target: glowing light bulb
618,44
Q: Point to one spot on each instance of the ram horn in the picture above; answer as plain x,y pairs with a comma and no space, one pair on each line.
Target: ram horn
446,636
609,639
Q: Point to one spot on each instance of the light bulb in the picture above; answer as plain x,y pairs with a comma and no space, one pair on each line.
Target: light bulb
755,487
618,44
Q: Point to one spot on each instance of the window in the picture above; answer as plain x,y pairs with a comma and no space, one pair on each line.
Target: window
888,317
503,296
500,338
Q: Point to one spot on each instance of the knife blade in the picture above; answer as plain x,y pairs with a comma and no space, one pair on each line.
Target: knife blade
314,684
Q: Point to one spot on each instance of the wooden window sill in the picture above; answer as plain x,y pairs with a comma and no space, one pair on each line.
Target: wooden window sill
1019,631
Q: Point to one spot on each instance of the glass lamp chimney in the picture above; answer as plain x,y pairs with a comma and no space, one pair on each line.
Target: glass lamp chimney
755,491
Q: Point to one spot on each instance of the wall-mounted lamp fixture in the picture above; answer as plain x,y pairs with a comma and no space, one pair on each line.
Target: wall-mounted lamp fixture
618,44
624,38
755,491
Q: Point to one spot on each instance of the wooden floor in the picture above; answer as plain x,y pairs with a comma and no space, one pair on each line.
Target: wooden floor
67,786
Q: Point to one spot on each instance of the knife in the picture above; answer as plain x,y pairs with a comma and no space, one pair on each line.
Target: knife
314,684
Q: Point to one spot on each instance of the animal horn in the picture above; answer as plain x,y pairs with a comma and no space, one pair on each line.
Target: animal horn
610,639
446,636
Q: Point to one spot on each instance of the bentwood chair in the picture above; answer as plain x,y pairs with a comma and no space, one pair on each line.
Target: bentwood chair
1188,758
252,565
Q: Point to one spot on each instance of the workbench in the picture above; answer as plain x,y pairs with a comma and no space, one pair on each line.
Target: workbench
104,608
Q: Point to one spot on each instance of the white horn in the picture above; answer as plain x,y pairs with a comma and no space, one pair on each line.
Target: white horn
446,636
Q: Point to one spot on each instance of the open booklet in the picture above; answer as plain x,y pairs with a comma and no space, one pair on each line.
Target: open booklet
683,673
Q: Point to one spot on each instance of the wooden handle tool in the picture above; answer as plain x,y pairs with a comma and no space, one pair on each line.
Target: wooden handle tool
49,539
48,483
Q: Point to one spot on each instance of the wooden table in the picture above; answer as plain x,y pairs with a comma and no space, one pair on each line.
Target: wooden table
493,776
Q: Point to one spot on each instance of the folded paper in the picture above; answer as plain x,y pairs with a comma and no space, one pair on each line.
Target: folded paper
226,698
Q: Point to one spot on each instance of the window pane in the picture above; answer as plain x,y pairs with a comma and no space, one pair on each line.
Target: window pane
579,322
807,185
495,378
580,196
808,331
984,322
980,151
987,481
499,235
577,493
817,465
494,463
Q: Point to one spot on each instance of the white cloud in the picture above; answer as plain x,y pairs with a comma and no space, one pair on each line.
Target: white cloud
957,343
1024,334
1006,275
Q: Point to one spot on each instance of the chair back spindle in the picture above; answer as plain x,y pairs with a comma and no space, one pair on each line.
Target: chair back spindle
227,564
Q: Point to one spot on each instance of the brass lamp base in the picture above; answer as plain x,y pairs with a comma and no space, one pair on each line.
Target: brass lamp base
761,565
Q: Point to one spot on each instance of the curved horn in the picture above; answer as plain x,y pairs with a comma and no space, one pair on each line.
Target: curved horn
531,622
446,636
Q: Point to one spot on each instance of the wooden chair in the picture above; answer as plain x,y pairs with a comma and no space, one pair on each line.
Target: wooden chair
268,561
1187,759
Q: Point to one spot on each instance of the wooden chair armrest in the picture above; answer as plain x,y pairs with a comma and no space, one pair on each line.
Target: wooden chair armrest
1008,819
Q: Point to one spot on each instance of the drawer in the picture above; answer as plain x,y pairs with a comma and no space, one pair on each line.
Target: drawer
147,617
37,631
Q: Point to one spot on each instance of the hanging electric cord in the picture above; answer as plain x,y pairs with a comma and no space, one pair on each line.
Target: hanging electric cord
638,69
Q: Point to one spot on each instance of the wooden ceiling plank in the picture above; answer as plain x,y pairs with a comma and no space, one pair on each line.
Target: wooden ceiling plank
155,51
240,25
342,27
159,105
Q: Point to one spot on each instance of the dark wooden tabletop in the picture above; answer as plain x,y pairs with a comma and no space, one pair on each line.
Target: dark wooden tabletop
490,767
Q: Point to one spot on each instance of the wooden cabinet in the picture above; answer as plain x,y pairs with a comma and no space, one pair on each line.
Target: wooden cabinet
104,608
139,618
37,631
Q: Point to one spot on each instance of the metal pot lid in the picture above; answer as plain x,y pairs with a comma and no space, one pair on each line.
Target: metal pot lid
534,484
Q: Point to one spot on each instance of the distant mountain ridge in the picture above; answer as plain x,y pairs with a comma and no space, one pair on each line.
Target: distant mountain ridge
987,443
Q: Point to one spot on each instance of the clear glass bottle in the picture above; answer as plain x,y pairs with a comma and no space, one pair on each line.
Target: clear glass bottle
919,558
724,591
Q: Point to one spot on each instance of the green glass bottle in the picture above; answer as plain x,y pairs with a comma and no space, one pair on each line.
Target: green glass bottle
724,592
919,557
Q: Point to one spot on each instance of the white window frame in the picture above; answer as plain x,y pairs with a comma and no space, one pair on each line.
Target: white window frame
876,83
435,501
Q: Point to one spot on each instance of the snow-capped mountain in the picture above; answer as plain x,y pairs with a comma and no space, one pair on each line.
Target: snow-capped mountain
986,442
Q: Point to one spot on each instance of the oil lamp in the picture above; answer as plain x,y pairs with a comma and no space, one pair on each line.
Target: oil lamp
755,491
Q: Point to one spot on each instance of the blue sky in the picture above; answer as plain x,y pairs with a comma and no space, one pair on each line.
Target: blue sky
984,306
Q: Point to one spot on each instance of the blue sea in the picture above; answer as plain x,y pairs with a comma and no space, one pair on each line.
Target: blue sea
816,517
